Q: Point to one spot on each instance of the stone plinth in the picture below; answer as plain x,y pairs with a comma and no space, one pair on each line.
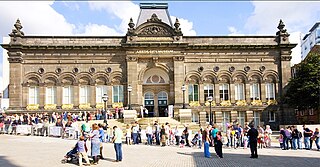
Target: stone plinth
129,116
185,115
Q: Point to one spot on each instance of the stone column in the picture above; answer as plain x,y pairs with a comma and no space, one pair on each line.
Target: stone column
42,95
201,94
234,116
249,116
247,93
93,96
156,111
232,93
76,97
217,93
15,85
263,92
110,95
59,96
178,63
133,80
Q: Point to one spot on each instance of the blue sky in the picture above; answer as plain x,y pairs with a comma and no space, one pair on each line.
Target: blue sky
196,17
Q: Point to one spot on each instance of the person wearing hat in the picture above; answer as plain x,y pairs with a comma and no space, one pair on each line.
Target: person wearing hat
253,139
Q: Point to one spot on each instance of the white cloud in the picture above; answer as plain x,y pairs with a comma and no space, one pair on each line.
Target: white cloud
71,6
36,18
234,31
124,10
297,16
186,26
99,30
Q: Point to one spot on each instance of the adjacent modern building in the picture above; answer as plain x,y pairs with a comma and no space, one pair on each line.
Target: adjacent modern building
310,39
244,75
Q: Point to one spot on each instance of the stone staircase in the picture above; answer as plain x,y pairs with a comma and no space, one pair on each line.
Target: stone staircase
161,120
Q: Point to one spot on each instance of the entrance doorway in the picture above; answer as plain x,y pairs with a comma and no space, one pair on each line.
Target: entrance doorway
163,104
149,104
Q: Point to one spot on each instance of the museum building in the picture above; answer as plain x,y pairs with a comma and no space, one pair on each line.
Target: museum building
236,78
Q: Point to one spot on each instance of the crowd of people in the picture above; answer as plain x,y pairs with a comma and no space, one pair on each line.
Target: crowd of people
235,136
291,138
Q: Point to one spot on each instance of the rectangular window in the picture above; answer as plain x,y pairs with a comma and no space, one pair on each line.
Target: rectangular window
239,91
256,118
100,91
241,118
224,91
208,91
270,93
51,94
254,91
226,119
193,93
272,116
117,94
67,97
195,117
84,94
33,95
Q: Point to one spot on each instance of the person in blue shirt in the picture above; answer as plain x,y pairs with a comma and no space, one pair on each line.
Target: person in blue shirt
101,133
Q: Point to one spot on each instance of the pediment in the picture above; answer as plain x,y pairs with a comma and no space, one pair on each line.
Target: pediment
153,27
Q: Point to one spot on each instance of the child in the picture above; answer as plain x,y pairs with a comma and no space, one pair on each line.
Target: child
266,139
281,141
82,151
194,141
182,141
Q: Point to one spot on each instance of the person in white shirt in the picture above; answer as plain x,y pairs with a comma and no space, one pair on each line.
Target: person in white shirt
149,134
177,135
135,131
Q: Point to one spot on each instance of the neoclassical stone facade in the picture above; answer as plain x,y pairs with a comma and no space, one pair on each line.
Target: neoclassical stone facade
245,75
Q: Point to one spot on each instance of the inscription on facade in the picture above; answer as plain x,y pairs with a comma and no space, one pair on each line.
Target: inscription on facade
154,51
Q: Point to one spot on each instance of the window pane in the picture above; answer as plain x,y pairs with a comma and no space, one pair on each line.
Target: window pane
190,92
196,94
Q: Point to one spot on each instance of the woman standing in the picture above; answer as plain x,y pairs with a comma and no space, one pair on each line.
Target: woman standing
163,136
206,141
95,143
219,144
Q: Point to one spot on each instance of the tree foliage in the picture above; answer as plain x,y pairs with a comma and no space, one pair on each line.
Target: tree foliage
304,89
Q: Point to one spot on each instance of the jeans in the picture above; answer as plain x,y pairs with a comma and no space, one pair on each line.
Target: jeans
135,138
295,143
286,143
149,136
118,149
206,149
307,143
177,140
318,143
157,138
200,143
299,143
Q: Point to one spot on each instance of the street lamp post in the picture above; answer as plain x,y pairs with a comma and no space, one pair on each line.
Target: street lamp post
211,115
183,88
105,98
129,90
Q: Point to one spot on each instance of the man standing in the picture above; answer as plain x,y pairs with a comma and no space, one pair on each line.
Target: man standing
117,140
253,134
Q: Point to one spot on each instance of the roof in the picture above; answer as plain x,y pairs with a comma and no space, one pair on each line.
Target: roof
314,26
148,9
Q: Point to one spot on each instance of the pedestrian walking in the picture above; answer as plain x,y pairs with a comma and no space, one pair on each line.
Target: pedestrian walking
253,134
206,141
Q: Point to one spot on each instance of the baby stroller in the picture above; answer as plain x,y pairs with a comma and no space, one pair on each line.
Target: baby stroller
71,156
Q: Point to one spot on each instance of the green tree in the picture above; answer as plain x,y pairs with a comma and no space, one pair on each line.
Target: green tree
304,90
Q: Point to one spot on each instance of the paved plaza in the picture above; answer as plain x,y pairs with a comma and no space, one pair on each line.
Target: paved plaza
34,151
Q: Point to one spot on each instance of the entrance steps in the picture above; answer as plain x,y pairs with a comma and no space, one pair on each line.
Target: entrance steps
161,120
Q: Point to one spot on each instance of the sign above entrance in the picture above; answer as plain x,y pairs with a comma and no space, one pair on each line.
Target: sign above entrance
158,39
153,51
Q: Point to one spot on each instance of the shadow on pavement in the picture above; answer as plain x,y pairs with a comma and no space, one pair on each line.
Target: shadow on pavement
6,163
243,160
